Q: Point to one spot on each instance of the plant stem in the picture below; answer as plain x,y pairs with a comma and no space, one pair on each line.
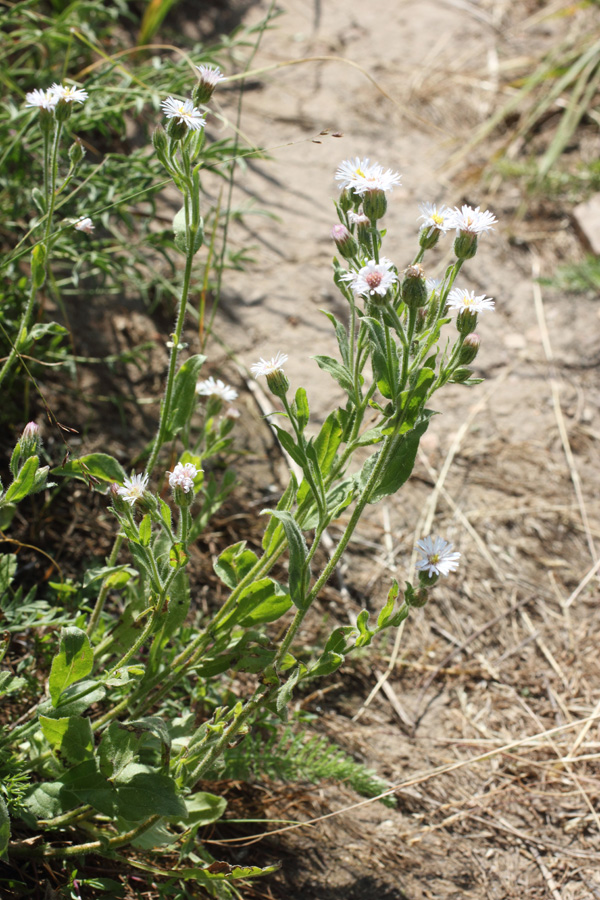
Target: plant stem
96,612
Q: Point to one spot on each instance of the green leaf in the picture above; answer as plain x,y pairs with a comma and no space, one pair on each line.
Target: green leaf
98,465
262,601
302,410
4,827
145,530
342,338
341,374
184,398
8,567
298,567
73,661
328,441
24,482
89,785
289,445
366,635
284,694
177,556
10,683
142,793
41,330
414,399
118,747
400,465
70,738
222,871
274,529
178,605
388,609
165,513
204,808
107,572
234,563
49,799
71,703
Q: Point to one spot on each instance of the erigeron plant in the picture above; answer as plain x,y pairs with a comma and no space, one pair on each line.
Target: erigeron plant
110,767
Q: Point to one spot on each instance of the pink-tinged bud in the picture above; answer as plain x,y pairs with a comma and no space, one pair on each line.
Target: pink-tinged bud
469,349
344,241
232,413
209,78
30,441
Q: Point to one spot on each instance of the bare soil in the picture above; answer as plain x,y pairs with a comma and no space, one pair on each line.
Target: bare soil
488,718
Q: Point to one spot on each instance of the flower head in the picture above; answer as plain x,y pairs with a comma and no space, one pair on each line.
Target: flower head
362,177
374,278
133,488
434,217
68,94
269,367
462,301
184,112
183,476
438,557
84,224
470,221
41,99
209,388
210,75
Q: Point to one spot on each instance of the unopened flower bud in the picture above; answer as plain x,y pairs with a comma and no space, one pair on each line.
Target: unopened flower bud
460,375
465,245
466,321
346,200
414,290
374,204
160,141
418,598
469,349
119,503
344,241
30,441
76,152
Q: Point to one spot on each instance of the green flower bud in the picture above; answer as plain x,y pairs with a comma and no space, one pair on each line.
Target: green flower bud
414,290
278,383
30,441
76,152
63,110
374,204
465,245
466,321
469,349
460,375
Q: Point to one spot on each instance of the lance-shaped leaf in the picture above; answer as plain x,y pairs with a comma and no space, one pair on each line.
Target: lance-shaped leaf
73,661
4,827
183,401
234,563
24,482
342,375
298,567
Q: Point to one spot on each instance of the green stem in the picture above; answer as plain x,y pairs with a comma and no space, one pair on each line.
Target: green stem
45,851
96,612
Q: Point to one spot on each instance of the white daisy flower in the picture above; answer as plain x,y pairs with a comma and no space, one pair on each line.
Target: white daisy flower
210,75
183,476
185,112
471,221
41,99
374,278
466,301
362,177
438,556
84,224
434,217
209,387
68,94
133,488
432,285
268,367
